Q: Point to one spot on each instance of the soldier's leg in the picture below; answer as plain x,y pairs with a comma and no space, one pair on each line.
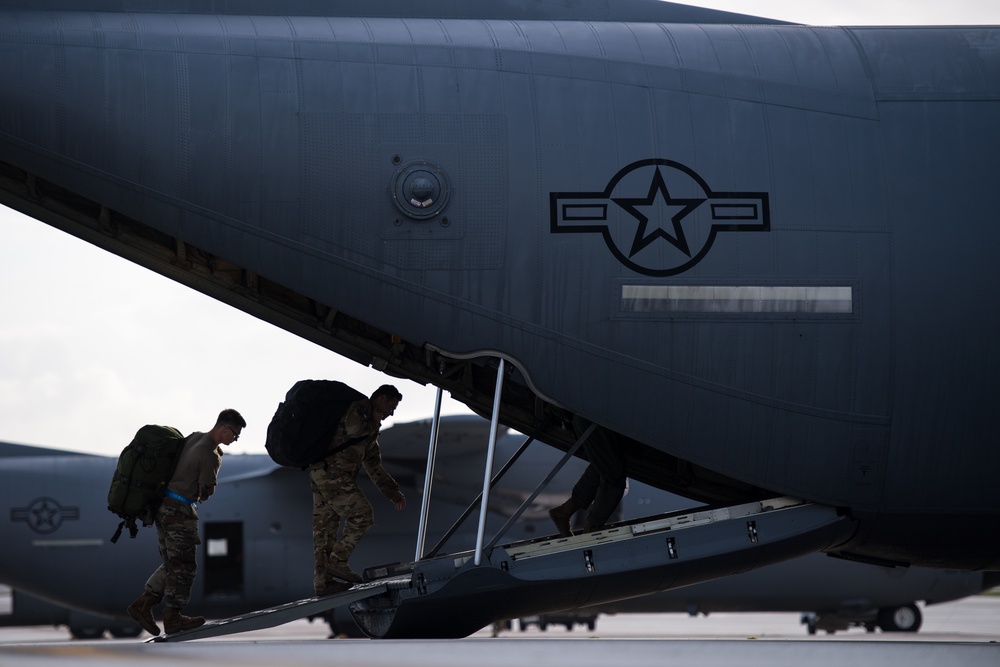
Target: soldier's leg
180,529
358,516
583,493
158,580
585,489
325,525
141,609
609,463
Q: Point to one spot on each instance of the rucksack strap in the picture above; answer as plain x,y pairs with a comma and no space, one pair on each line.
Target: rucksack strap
338,449
133,529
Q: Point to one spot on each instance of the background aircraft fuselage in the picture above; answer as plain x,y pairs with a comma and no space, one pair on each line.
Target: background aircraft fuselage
256,549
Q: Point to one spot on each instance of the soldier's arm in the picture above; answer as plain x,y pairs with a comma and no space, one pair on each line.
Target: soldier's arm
208,477
382,479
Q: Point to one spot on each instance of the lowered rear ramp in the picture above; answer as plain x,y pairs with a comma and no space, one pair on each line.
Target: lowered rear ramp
451,597
286,613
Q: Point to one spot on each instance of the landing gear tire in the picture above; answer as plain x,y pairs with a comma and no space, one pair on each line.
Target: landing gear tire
122,632
905,618
85,632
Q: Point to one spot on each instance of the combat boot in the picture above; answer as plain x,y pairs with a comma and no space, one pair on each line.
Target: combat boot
342,570
332,588
142,612
561,517
175,621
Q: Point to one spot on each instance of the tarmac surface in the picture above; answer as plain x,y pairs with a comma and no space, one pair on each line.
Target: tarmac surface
965,632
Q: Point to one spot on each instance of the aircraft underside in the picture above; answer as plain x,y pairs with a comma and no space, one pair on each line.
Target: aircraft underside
469,380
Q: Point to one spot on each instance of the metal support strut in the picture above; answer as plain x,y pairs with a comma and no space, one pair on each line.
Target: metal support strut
489,463
425,502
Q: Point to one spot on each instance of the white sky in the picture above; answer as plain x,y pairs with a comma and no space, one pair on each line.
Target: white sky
93,347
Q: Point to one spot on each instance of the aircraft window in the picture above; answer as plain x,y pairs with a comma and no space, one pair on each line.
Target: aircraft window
218,547
738,299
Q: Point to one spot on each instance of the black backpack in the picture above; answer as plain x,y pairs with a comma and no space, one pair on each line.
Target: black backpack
144,469
303,425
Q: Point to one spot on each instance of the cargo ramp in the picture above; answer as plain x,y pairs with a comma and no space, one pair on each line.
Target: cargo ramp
451,596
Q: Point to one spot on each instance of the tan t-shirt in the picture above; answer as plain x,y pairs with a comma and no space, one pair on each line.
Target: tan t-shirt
198,464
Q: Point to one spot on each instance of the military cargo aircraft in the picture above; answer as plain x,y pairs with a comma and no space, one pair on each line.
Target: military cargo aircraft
56,549
757,255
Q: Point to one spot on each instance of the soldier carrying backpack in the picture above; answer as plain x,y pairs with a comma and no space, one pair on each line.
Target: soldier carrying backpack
193,481
332,430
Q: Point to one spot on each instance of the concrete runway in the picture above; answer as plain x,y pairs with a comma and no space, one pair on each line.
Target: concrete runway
965,632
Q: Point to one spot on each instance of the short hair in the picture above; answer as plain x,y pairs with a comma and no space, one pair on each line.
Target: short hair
387,390
231,418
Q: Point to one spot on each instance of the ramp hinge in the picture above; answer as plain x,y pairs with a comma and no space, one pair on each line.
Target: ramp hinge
671,548
588,561
752,532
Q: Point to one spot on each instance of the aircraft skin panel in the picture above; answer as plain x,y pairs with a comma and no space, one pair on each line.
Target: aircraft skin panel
940,278
567,10
573,165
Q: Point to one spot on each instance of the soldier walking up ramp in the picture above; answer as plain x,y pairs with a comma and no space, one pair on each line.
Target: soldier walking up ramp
286,613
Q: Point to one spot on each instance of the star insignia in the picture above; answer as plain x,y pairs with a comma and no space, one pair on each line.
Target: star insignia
679,207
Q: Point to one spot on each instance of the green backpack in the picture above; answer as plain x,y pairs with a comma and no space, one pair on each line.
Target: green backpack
144,469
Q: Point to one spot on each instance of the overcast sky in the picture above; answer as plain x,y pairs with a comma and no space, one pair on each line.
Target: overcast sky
94,347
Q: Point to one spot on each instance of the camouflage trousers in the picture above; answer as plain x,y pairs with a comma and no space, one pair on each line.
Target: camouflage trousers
336,496
602,484
177,533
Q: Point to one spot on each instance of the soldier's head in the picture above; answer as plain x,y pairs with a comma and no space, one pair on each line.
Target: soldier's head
228,426
384,401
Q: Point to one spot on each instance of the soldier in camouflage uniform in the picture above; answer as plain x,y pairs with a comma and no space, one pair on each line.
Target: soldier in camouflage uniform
193,481
336,494
601,486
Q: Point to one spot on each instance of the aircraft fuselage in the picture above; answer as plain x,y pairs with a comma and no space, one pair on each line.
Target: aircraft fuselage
763,253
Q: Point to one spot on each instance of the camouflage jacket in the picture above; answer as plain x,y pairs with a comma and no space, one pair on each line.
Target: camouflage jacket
357,423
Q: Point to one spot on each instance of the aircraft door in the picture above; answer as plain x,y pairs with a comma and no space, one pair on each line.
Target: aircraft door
223,558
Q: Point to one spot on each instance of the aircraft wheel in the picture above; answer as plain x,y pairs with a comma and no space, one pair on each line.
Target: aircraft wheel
85,632
125,632
591,624
811,627
345,630
906,618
